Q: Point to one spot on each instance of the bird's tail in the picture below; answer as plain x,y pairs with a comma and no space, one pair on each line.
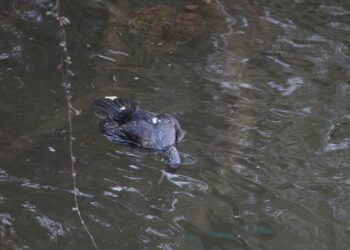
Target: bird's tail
114,108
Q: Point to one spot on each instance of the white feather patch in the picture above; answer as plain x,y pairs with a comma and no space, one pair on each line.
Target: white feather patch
51,149
154,120
111,97
122,108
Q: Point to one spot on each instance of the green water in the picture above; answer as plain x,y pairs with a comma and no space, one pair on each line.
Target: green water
262,91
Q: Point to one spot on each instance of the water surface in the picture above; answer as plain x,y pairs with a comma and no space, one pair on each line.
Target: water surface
262,91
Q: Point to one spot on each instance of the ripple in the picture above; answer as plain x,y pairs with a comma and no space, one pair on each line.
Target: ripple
110,194
281,63
221,67
80,193
293,84
6,219
186,182
338,135
4,177
330,147
30,207
339,26
333,10
285,26
128,189
55,228
294,44
33,16
188,159
11,47
156,232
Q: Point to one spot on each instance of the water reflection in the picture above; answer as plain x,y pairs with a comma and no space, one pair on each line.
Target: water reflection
262,90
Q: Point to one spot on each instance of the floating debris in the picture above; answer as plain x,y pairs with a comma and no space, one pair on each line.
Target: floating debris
117,52
106,58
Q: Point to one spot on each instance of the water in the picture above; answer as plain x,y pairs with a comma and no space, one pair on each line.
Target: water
262,90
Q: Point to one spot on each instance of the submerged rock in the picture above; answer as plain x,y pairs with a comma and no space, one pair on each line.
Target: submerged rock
164,24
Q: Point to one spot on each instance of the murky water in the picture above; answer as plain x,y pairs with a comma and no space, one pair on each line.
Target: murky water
262,88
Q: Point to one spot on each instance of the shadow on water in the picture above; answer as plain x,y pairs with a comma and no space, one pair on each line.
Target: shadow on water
261,87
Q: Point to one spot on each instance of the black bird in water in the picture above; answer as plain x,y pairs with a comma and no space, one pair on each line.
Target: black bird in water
122,121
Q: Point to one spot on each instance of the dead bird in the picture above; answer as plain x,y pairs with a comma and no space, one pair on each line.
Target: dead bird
122,121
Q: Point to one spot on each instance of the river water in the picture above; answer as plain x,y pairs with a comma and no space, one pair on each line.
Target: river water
262,89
